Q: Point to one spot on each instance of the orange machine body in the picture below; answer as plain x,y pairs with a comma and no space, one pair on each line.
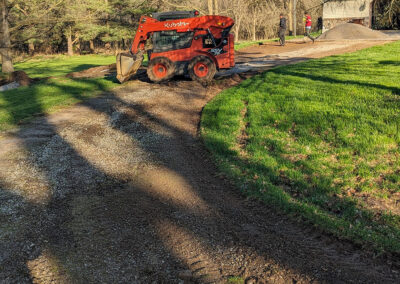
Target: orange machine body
206,35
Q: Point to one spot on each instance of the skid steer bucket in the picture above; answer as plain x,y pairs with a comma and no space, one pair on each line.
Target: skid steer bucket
127,65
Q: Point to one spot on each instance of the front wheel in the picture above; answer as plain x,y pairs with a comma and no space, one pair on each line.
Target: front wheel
202,69
160,69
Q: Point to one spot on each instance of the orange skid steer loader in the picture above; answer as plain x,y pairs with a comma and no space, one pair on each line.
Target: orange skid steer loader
179,43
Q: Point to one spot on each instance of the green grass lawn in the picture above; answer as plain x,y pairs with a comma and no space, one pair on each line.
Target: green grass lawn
61,65
318,140
25,102
46,96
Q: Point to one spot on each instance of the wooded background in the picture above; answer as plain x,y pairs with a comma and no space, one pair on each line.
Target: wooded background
86,26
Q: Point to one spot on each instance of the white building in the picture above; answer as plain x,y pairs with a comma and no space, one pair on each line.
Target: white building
347,11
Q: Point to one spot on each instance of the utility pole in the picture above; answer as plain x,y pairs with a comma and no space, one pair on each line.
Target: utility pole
294,17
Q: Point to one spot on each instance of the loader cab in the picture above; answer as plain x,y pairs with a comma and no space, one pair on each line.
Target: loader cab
171,40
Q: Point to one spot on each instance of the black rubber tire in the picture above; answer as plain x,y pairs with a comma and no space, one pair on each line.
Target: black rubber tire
212,69
170,69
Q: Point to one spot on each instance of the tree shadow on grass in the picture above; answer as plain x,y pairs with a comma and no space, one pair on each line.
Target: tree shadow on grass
295,190
316,202
305,73
26,102
390,62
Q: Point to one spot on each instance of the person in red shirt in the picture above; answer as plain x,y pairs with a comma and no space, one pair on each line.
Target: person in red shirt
308,21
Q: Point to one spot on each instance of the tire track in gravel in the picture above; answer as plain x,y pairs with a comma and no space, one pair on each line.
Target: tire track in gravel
120,189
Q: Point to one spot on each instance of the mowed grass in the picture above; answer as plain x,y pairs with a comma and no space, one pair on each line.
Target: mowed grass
49,95
61,65
21,104
318,140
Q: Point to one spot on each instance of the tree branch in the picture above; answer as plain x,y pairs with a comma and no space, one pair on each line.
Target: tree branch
184,6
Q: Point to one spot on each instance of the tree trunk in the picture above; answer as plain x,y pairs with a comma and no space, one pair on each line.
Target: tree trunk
236,31
237,27
294,17
107,17
31,47
70,43
5,42
216,7
291,17
49,49
254,28
117,47
91,43
210,7
78,47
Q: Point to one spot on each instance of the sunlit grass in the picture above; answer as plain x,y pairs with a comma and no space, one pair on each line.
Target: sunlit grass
235,280
320,141
61,65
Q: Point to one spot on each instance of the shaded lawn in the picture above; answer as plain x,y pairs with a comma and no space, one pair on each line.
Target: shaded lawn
320,141
46,96
25,102
61,65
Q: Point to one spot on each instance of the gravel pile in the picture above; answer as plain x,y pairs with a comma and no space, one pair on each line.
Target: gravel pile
352,31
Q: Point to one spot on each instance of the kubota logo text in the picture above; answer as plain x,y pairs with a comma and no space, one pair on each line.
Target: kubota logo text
176,25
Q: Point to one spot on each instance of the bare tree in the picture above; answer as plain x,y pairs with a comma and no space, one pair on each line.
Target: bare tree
237,11
46,24
5,43
198,5
210,5
387,13
216,7
294,13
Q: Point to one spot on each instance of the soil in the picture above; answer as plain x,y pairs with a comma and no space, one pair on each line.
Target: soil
17,76
21,77
119,189
352,32
94,72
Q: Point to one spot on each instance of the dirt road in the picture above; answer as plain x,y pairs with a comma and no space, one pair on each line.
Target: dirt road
120,190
